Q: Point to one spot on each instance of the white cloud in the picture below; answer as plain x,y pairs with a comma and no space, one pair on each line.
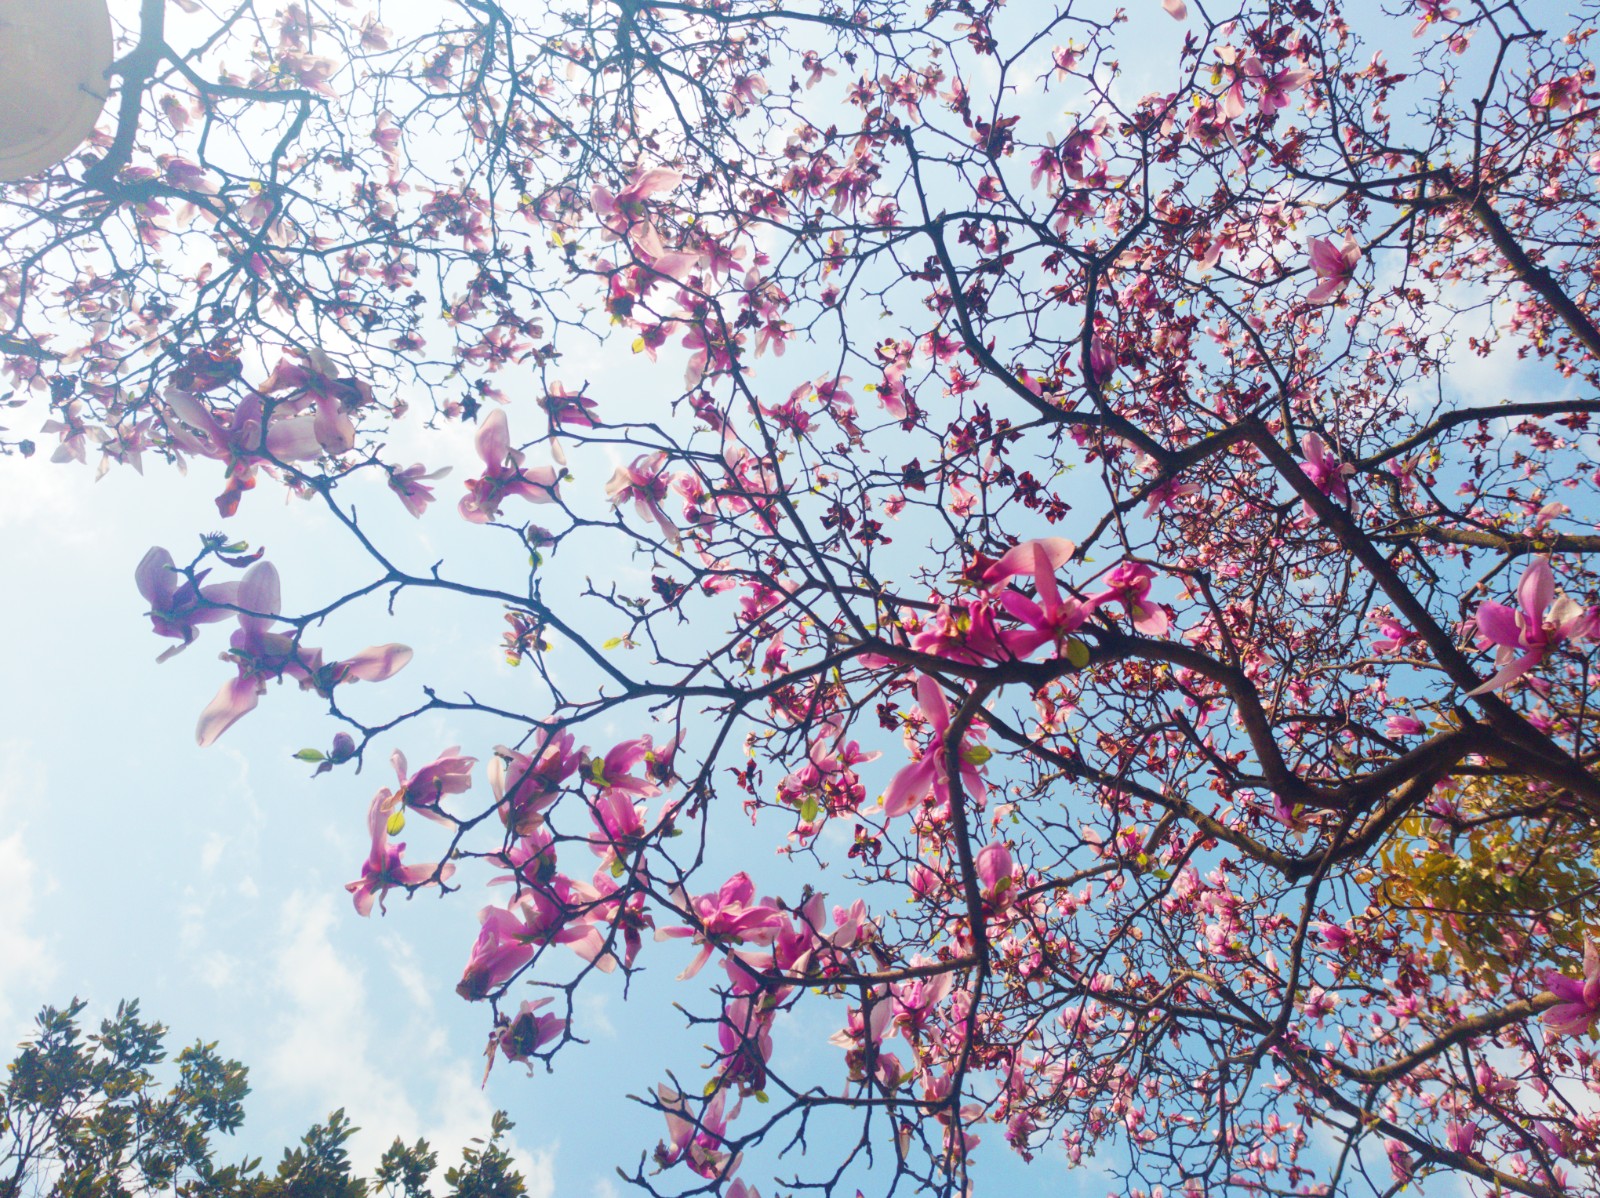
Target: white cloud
29,966
339,1046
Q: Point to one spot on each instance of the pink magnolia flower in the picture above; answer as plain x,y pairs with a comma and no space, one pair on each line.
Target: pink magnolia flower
965,632
624,214
261,655
729,915
319,384
524,1035
1396,636
695,1140
619,822
177,603
1334,266
525,784
1404,725
997,874
382,870
1051,618
1462,1137
447,774
509,937
1580,997
504,474
928,774
1526,634
644,481
411,484
1129,584
1325,471
241,439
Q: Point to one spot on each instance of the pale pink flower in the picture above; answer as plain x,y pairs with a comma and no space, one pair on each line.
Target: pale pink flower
1334,266
504,475
177,603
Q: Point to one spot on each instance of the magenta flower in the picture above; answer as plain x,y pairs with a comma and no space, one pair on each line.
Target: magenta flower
965,632
928,774
1325,471
1396,636
504,474
729,915
697,1141
997,874
1462,1137
525,784
508,937
525,1035
177,603
447,774
383,870
1129,584
624,214
411,484
1404,725
1526,634
240,439
1334,265
1052,618
1580,997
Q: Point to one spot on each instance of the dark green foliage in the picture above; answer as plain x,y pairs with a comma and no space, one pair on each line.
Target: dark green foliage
84,1116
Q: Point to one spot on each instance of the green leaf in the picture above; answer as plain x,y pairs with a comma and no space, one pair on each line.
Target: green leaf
311,755
1077,652
808,809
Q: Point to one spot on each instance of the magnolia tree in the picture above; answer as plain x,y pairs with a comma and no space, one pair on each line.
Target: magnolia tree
1160,652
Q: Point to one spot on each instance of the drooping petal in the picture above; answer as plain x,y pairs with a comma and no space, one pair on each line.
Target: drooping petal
259,589
294,439
237,697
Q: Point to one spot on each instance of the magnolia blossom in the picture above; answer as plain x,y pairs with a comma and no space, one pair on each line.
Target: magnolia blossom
929,773
1580,997
731,914
177,606
645,482
1324,470
447,774
524,1035
1334,266
1129,584
623,214
261,655
1525,635
383,870
504,475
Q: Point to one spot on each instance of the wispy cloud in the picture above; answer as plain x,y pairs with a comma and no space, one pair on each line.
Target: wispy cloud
335,1047
27,966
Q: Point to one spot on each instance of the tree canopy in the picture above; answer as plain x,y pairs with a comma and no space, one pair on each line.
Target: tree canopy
86,1116
1109,497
